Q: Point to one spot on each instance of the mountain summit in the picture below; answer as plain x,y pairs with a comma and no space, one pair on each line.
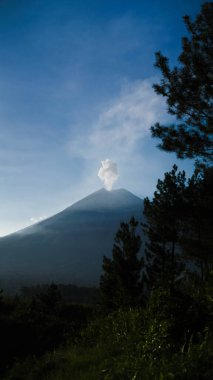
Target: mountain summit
107,200
69,246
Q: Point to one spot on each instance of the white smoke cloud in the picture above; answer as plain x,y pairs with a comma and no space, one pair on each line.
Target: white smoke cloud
108,173
38,219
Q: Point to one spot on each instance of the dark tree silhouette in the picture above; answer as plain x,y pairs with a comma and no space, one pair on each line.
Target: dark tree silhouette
197,244
188,90
121,284
163,228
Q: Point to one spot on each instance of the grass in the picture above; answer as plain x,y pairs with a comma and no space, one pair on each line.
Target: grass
65,364
115,348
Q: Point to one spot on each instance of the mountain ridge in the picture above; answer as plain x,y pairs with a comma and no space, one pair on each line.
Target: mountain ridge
70,245
117,193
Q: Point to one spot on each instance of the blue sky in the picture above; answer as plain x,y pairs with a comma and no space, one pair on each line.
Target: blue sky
76,88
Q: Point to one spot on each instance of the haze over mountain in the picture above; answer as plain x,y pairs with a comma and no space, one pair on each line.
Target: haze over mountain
69,246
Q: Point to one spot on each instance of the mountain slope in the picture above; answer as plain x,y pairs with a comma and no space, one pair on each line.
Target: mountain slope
69,246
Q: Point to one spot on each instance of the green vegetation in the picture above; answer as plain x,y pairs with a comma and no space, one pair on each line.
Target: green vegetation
155,318
141,343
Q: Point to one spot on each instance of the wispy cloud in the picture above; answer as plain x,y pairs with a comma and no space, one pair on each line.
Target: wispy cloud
37,219
123,122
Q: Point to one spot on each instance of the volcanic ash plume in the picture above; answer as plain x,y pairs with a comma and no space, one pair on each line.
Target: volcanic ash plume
108,173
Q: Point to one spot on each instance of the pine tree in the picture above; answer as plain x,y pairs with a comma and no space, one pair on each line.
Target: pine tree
188,90
197,244
163,228
120,283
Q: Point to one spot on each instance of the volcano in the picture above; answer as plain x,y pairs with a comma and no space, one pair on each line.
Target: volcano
69,246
